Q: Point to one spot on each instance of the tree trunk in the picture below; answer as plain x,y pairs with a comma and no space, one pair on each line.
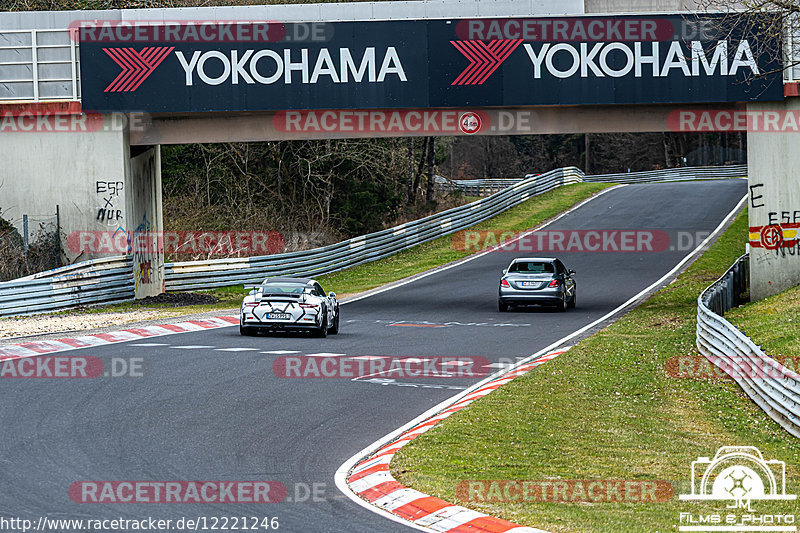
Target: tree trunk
586,155
410,192
430,192
420,167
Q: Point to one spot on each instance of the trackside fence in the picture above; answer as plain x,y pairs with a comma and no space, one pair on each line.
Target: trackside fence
90,282
111,280
774,388
481,187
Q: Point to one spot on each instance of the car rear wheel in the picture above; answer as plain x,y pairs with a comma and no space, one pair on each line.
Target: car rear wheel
322,329
563,305
502,306
335,327
574,300
245,331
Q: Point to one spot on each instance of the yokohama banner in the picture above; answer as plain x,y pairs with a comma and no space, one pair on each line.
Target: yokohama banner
200,66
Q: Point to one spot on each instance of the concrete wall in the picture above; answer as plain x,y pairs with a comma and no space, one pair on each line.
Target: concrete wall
105,194
83,173
773,168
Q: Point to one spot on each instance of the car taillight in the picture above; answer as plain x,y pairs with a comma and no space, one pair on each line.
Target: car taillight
504,283
555,283
309,306
251,304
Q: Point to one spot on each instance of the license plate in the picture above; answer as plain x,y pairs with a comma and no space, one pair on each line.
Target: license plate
529,283
278,316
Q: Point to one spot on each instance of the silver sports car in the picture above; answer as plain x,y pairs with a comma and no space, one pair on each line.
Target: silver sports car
537,280
289,304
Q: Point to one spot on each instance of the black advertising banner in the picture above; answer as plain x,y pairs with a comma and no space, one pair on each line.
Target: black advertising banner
201,66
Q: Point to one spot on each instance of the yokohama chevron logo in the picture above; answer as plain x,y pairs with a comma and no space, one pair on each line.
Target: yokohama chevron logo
136,66
483,58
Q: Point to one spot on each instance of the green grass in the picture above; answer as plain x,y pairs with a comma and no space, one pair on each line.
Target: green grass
607,409
773,323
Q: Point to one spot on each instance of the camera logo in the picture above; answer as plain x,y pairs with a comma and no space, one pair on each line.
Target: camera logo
738,473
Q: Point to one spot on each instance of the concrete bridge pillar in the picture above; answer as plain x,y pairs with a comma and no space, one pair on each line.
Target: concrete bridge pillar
773,167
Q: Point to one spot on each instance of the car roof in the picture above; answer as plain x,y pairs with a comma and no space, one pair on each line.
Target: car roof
542,259
299,281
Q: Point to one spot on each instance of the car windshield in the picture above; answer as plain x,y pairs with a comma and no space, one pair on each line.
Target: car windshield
283,288
532,267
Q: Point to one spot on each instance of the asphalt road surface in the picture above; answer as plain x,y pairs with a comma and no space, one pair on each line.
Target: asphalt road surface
203,410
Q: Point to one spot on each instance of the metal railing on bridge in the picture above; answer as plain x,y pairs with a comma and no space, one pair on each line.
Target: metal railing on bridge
39,66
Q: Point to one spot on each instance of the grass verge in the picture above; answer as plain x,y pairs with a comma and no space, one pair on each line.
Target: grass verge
607,409
773,323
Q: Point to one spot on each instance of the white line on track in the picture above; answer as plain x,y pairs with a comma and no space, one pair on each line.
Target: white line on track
340,478
192,347
280,352
236,350
149,344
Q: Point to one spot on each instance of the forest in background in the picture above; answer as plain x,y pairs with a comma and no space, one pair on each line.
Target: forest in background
323,191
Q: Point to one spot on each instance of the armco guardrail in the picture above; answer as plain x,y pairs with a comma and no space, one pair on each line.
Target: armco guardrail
222,272
774,388
480,187
90,282
672,174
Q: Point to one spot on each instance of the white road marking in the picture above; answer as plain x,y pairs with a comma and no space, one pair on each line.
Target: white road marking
325,354
280,352
499,365
236,350
369,357
192,347
148,344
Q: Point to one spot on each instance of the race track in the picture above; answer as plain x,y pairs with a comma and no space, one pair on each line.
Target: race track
202,411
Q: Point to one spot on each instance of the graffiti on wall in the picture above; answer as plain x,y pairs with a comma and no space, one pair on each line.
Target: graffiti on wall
141,245
781,233
109,210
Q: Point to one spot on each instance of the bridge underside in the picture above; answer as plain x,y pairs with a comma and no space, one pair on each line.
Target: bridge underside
337,124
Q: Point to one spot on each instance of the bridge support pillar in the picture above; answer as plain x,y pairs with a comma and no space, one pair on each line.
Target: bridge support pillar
145,222
105,191
773,167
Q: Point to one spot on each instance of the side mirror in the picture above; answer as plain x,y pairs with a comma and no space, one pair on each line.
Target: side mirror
505,271
332,295
253,292
571,271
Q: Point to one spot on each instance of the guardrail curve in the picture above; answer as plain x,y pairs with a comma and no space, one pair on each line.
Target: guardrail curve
773,387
